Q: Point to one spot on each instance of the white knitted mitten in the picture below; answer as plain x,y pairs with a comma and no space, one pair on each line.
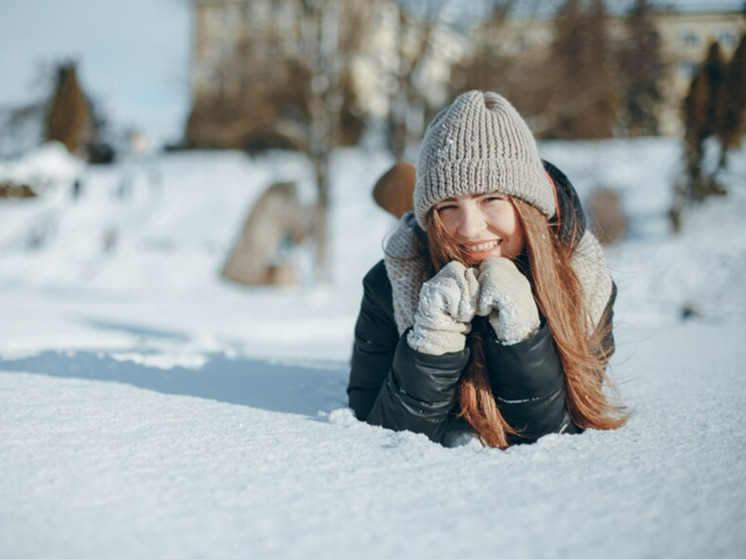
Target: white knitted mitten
507,299
448,302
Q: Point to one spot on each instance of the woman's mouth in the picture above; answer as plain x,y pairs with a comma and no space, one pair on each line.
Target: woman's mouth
482,247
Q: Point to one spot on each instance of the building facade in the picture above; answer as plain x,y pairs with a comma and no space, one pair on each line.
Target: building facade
239,43
686,28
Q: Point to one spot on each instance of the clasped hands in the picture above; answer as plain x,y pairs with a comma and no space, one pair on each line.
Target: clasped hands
451,299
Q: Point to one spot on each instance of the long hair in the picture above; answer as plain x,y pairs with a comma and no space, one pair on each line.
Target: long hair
561,300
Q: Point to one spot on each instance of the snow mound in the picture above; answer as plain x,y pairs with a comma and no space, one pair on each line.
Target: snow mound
49,163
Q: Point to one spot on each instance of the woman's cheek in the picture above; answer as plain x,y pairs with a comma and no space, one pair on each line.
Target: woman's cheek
450,223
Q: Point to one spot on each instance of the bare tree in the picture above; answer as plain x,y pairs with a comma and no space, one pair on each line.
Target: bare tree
286,82
331,34
258,89
408,96
321,34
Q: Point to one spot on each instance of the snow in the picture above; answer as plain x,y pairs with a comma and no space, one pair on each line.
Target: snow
150,408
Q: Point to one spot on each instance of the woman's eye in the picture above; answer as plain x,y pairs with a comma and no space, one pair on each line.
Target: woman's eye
493,199
446,207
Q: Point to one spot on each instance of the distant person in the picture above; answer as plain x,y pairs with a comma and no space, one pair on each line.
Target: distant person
491,313
77,188
110,239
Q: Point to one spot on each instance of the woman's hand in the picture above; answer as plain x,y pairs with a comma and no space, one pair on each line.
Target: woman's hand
447,305
505,296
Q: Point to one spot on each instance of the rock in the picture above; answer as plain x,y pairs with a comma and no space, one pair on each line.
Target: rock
607,218
9,189
276,223
393,191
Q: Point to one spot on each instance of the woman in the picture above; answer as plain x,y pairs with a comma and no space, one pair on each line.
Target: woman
492,308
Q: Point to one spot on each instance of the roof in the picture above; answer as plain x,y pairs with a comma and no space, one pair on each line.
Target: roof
474,10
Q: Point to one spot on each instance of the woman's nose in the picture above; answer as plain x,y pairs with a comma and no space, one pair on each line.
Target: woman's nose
472,221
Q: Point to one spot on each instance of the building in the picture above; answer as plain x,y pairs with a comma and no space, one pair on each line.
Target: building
241,45
238,44
686,28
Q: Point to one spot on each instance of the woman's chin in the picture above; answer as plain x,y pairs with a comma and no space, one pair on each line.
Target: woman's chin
476,258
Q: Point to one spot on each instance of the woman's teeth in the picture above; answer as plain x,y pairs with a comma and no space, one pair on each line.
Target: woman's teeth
489,245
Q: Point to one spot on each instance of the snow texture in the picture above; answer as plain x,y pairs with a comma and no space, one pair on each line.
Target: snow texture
149,409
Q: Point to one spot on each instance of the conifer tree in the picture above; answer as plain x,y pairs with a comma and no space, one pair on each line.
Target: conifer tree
641,69
732,103
702,120
586,100
68,119
702,114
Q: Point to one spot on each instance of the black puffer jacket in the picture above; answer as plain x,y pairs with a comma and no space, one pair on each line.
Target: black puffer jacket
394,386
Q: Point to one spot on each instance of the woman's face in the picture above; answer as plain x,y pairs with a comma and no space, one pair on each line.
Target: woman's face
482,225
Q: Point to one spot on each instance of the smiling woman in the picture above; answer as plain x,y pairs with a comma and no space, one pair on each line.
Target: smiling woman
481,226
491,313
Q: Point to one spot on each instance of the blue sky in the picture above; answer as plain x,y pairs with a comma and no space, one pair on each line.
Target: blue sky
133,56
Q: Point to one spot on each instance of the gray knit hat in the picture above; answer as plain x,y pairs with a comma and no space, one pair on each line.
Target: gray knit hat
477,145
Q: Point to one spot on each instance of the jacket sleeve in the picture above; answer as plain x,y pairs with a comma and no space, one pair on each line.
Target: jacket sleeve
420,391
528,381
391,384
376,337
529,385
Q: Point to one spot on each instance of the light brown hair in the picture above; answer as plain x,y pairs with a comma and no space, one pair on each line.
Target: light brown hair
561,301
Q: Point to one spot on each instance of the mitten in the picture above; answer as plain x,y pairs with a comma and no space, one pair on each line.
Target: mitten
505,296
446,307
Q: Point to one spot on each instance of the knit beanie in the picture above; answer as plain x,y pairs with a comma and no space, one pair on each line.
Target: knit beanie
477,145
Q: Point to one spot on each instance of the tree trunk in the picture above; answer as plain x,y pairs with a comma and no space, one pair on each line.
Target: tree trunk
321,221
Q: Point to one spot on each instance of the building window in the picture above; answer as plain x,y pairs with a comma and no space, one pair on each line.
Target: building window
727,38
689,38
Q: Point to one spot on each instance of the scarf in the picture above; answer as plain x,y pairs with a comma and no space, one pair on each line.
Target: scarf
407,262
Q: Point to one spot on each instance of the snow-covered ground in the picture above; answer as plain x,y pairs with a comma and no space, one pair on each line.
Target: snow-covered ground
150,409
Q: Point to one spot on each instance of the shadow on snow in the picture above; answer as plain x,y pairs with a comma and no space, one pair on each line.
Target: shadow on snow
273,386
